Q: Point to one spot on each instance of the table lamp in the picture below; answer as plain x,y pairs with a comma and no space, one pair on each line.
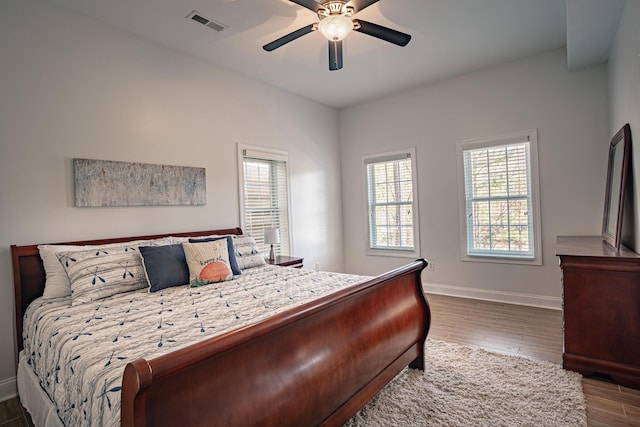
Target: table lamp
272,237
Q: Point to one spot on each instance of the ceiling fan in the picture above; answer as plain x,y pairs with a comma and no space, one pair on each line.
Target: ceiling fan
336,24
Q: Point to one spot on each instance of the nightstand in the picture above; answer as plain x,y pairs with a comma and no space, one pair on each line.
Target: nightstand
286,261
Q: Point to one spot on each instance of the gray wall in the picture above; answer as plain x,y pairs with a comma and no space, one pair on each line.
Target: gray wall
72,87
624,87
570,111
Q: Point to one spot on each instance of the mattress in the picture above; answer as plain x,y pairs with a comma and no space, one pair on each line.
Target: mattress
79,352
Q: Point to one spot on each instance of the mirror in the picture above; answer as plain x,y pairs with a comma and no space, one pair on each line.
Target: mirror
617,169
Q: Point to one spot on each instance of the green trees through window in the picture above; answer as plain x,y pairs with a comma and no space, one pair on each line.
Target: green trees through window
391,202
499,198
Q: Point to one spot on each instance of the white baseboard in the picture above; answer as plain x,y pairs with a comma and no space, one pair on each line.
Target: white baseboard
542,301
8,389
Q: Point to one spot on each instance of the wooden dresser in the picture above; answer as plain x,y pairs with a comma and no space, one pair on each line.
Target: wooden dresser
601,302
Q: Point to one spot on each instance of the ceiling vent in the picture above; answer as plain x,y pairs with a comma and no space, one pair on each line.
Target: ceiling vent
213,25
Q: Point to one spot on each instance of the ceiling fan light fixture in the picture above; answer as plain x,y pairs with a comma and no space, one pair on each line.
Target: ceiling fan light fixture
335,27
335,24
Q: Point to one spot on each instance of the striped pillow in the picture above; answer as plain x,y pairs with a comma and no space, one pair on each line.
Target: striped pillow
100,273
247,252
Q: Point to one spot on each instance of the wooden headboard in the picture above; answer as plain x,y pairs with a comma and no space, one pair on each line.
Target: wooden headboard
29,276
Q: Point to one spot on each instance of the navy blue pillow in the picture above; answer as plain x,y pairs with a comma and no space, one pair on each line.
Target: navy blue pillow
233,262
166,266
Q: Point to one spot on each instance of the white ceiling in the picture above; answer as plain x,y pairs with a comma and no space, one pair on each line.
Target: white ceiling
450,37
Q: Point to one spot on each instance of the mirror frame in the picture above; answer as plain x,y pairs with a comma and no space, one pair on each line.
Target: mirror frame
612,231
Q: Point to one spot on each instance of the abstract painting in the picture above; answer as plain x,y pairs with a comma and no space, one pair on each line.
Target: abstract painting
110,183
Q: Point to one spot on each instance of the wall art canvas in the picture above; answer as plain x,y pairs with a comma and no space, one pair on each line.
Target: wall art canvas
110,183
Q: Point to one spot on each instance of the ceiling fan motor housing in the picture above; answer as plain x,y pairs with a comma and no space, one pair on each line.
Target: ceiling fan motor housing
335,8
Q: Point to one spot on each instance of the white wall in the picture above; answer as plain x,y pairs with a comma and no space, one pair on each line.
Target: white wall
624,88
570,111
72,87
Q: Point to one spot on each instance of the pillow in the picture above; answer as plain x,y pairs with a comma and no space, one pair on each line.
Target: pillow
232,255
178,240
247,253
164,266
57,282
208,262
100,273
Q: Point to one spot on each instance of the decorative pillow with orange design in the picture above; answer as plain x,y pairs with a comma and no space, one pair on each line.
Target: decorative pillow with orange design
208,262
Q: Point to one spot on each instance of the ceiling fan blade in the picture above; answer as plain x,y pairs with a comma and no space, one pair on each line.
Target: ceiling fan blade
309,4
383,33
358,5
335,55
288,38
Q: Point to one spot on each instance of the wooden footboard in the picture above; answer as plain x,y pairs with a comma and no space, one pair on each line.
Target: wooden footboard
317,364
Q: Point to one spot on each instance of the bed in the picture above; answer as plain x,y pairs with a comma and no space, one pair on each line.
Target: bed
316,363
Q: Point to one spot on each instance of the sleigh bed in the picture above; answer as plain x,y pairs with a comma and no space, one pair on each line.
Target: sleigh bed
317,363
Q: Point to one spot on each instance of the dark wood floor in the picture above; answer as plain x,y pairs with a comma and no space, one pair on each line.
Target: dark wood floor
524,331
12,414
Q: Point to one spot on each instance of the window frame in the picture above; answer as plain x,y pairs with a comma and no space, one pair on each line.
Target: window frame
265,153
530,136
383,157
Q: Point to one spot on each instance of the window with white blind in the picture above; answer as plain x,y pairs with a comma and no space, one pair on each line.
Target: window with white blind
499,199
264,195
392,203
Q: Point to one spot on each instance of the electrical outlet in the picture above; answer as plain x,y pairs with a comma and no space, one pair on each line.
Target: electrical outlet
317,266
431,266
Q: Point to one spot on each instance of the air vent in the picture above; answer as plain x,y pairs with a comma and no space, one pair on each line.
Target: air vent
213,25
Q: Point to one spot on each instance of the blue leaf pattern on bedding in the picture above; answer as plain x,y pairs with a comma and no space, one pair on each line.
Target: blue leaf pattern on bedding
79,352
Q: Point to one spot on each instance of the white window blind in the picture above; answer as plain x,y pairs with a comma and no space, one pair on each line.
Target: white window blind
265,196
391,203
500,203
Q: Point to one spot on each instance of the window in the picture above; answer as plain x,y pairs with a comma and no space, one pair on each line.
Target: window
392,204
264,195
499,199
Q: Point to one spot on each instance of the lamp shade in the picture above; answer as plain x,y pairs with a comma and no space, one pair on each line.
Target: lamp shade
335,27
272,236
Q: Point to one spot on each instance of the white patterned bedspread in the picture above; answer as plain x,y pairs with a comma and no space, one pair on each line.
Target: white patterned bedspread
79,352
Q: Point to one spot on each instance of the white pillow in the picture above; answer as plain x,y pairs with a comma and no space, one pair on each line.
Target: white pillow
178,240
247,253
208,262
57,282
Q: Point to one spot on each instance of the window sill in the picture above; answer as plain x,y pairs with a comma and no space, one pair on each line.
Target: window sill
392,253
502,260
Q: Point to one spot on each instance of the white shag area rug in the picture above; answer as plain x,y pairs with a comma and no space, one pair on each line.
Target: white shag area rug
464,386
